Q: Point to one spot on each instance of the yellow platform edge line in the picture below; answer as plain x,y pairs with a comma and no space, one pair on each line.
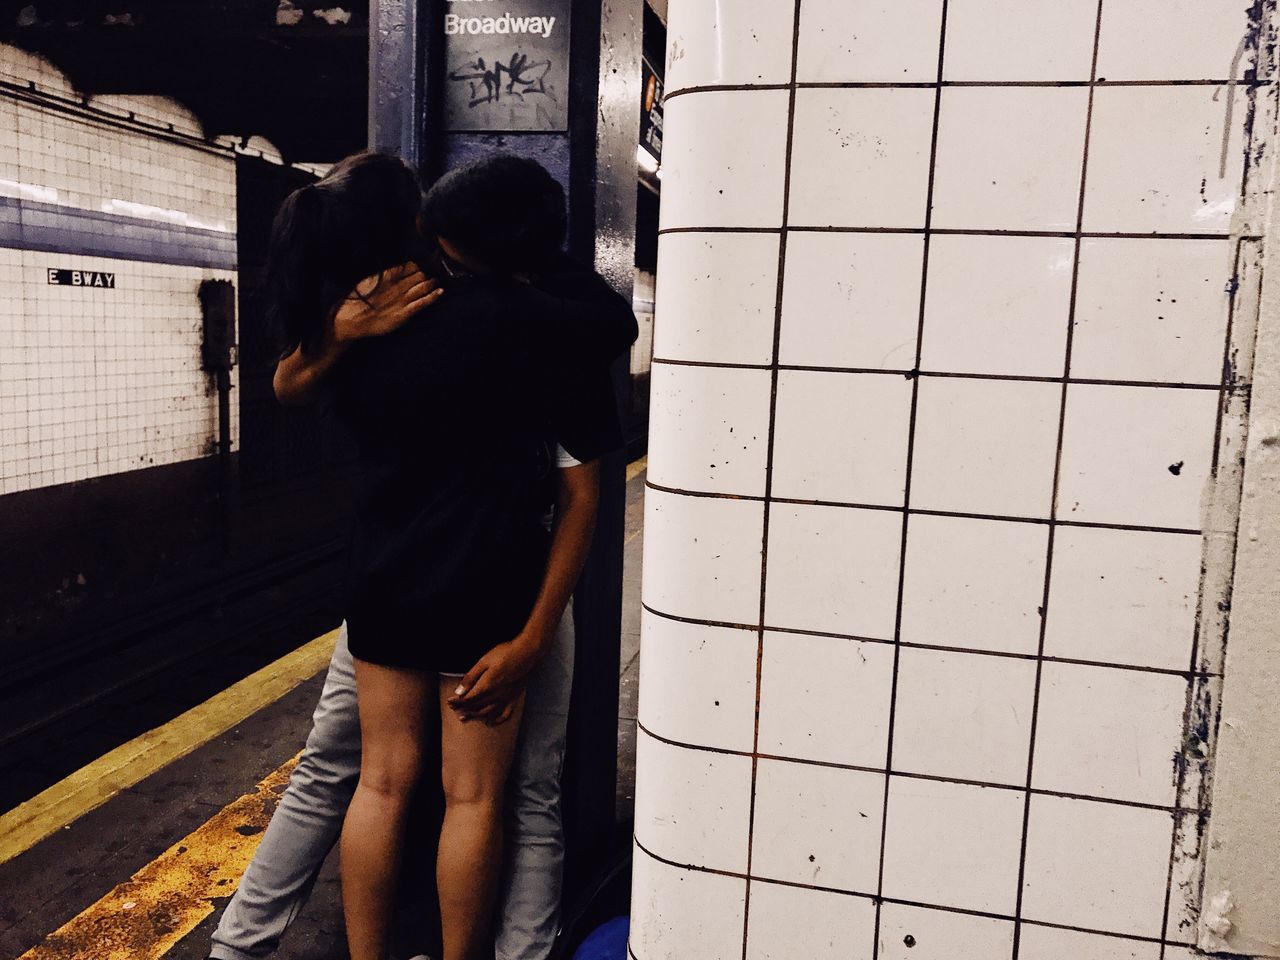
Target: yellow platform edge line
147,915
637,467
94,784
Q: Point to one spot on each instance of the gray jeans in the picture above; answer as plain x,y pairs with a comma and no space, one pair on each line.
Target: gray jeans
308,821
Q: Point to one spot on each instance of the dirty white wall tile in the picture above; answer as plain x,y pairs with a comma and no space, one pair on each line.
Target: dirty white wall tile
698,683
918,933
718,293
839,714
825,922
710,428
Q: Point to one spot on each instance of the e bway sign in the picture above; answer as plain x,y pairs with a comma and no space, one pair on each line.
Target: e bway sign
507,64
81,278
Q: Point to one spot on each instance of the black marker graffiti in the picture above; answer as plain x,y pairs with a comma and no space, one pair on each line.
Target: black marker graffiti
523,78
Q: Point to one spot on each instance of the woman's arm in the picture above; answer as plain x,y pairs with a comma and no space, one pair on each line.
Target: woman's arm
378,305
488,692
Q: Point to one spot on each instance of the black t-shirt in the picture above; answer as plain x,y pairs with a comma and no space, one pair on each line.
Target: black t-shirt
451,416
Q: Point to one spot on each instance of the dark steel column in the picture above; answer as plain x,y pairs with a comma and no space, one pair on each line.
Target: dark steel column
395,81
604,134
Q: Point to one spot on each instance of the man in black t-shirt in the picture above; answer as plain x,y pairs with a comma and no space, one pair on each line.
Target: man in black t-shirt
585,324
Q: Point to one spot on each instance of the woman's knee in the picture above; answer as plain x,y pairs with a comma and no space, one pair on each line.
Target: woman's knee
473,788
392,774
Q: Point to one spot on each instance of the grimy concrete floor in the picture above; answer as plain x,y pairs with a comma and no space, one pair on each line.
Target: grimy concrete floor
58,878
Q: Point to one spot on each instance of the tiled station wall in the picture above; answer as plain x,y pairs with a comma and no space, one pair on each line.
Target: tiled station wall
97,381
951,353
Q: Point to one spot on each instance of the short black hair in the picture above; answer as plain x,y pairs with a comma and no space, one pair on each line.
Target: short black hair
506,211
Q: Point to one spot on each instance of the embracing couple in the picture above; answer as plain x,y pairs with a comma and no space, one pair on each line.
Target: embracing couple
470,359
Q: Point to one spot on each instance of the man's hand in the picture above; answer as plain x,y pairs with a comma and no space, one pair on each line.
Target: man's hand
383,303
491,688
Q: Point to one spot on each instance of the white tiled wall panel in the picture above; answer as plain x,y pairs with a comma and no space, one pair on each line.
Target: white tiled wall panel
63,159
946,318
98,381
94,382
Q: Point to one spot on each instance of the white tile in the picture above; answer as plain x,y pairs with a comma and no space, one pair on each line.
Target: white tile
963,716
790,922
717,297
1172,39
998,305
1136,455
817,825
841,437
1134,731
1187,881
1050,943
864,42
698,683
709,428
851,300
860,157
1123,596
731,43
1154,160
985,446
953,845
833,569
702,557
723,159
1151,310
1101,866
1030,40
693,806
916,933
1009,158
1178,953
825,699
678,913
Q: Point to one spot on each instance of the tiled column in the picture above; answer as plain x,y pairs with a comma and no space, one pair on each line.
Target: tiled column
945,289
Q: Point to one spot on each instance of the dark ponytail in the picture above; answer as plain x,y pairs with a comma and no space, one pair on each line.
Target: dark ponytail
361,218
294,295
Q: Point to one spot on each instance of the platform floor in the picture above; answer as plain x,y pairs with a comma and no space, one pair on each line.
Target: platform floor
138,877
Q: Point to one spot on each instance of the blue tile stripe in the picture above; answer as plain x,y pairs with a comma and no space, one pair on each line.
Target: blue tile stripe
48,227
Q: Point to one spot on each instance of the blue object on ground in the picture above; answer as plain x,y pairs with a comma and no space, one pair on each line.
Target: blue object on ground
606,942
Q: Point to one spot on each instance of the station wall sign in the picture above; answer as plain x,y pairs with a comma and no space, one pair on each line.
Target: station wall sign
507,65
651,110
97,279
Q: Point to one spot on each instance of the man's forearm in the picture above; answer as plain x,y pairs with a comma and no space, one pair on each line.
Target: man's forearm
571,534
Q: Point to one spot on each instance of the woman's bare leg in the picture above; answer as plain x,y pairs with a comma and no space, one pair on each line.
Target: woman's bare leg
392,707
475,761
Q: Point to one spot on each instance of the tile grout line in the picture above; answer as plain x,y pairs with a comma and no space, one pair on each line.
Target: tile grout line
940,648
911,775
889,508
907,474
1057,479
953,375
1248,82
974,232
768,469
862,895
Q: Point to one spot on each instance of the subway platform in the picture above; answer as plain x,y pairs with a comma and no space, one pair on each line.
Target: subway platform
133,856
